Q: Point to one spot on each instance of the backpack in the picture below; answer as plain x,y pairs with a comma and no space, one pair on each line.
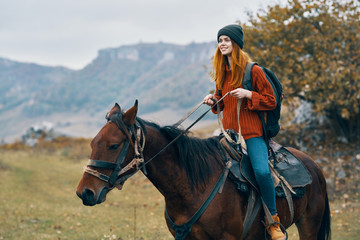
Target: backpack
271,125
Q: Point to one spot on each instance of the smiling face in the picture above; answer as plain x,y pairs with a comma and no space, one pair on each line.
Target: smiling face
225,45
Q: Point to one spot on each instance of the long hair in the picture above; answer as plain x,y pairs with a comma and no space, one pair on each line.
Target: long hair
239,60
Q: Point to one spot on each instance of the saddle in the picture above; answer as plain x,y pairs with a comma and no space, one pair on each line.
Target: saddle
289,176
287,170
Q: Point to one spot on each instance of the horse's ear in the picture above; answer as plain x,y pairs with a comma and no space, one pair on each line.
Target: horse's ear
116,108
130,115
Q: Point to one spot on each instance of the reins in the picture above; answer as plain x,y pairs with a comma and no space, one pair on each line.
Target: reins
114,179
188,128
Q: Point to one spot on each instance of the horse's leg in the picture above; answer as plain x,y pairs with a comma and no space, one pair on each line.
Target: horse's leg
314,221
308,226
314,224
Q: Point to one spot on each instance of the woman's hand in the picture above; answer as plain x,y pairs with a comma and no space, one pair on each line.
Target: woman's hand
240,93
210,100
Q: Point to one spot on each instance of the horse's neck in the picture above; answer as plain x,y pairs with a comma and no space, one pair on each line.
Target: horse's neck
163,171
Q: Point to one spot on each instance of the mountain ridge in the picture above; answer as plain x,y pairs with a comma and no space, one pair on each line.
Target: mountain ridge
160,75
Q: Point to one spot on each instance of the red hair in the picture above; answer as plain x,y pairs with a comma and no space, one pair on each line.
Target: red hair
239,61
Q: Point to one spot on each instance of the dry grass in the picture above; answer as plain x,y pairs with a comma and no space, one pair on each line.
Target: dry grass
38,201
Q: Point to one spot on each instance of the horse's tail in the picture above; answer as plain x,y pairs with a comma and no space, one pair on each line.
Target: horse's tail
325,228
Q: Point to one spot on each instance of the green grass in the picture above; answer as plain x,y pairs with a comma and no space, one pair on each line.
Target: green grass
38,201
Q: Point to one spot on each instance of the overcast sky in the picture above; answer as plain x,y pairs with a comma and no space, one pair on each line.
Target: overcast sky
70,32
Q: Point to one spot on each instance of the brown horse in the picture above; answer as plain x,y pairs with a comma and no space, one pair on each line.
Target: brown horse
185,173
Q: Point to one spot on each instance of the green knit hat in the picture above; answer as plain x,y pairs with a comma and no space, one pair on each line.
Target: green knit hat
233,31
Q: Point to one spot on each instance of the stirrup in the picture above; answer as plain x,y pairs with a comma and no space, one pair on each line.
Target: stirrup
283,229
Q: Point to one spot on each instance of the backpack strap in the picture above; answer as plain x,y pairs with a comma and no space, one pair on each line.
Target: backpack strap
247,79
267,139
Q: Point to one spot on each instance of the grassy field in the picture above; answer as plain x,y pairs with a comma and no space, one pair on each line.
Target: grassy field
38,201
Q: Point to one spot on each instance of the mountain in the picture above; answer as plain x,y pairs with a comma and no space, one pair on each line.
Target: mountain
167,79
20,81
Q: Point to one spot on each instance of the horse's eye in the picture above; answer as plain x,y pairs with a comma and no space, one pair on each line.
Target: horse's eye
114,147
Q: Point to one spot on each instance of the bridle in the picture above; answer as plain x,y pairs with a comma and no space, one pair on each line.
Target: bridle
135,131
119,176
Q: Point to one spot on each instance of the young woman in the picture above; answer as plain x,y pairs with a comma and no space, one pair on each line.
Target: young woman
227,71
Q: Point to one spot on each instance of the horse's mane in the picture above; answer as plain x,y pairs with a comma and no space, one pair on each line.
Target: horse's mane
199,157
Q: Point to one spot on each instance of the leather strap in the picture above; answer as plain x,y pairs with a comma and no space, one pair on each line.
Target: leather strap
101,164
240,139
101,176
181,231
253,207
188,114
289,200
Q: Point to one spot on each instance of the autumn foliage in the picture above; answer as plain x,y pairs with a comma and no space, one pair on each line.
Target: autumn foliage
313,46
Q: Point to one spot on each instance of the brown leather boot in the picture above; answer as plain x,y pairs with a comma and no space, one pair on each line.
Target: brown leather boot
274,230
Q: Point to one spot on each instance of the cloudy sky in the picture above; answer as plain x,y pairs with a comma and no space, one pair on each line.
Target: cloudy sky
69,32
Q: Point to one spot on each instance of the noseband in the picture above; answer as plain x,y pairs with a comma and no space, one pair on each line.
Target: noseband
135,131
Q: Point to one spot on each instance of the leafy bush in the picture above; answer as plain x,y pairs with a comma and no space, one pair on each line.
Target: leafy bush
313,47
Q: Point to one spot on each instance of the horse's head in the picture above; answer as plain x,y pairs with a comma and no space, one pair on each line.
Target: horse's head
116,155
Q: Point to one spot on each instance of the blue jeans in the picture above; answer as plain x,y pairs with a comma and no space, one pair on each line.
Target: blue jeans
258,154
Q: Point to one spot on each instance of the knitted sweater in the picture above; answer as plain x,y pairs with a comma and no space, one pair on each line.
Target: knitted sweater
262,99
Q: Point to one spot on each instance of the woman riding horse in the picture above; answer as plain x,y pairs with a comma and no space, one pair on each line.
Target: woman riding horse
185,173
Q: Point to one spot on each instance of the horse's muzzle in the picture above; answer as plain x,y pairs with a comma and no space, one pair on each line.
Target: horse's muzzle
89,198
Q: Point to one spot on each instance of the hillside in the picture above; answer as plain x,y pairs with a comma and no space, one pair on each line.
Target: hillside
163,77
21,81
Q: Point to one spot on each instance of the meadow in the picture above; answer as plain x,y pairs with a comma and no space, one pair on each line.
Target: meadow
38,201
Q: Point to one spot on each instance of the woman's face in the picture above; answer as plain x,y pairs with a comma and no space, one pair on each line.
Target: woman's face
225,45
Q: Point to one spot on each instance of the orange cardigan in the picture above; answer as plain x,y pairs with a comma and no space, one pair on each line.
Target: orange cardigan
262,99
